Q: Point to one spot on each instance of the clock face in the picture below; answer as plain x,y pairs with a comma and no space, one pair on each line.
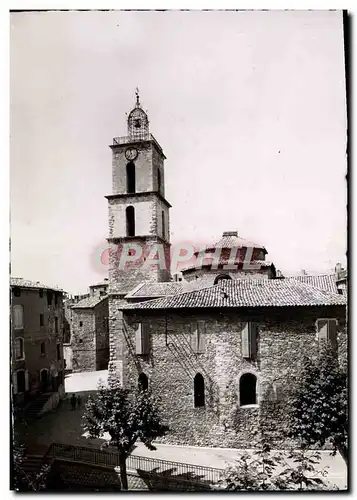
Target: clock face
131,153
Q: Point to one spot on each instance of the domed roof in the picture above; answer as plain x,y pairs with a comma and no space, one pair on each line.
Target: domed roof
230,239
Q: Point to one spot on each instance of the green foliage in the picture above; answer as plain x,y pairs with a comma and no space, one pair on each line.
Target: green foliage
264,469
23,480
126,417
319,407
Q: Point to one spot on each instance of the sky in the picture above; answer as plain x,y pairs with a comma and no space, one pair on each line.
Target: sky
249,108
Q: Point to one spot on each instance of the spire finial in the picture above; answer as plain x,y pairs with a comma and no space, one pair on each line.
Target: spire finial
137,96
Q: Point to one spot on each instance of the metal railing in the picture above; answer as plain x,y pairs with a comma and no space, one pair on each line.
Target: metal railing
164,468
126,139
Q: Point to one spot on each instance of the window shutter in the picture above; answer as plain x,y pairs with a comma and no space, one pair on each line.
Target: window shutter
201,337
253,330
14,381
26,380
138,339
332,332
322,329
18,317
145,338
194,337
245,341
142,339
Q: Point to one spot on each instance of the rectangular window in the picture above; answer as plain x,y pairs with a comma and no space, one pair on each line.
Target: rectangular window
142,339
41,320
49,297
43,348
17,291
81,323
19,348
58,352
56,299
18,317
326,330
56,324
249,340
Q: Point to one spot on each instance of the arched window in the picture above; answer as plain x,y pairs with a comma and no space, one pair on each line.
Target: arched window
248,389
19,348
158,180
143,382
163,223
199,390
221,277
130,177
130,221
21,381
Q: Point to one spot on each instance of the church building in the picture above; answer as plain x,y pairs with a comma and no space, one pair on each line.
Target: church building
220,346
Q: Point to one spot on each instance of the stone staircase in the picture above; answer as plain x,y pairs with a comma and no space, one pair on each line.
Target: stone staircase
34,408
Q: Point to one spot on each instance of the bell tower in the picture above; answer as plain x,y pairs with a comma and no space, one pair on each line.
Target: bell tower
138,210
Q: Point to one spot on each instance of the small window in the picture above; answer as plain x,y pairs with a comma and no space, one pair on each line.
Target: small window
41,293
81,341
81,323
221,277
56,324
41,320
56,298
248,389
58,352
18,317
49,297
199,390
143,382
17,291
102,292
340,291
249,340
19,348
43,348
198,339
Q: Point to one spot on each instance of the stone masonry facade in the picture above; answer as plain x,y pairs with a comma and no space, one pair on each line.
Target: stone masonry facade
284,338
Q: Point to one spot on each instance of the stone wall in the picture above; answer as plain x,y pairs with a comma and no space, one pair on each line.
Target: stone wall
83,340
285,336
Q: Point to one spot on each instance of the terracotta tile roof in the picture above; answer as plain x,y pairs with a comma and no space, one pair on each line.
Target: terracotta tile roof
20,282
230,239
148,289
323,281
89,302
246,293
259,263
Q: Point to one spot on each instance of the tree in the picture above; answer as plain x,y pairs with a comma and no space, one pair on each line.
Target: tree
319,407
126,417
23,480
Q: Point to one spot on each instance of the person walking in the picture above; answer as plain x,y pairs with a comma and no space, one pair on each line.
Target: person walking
73,402
79,401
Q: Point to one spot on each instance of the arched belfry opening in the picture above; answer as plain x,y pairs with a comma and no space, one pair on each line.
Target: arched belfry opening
158,180
130,177
130,221
199,390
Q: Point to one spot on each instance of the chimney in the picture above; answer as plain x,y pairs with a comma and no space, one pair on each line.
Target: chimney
338,268
230,233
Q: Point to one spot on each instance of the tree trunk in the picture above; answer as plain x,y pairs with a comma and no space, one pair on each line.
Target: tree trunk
123,476
343,452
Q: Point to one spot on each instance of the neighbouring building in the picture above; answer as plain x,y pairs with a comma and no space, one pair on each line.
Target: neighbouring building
89,344
218,346
37,320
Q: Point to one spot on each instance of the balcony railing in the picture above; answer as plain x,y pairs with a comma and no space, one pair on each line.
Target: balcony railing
93,456
118,141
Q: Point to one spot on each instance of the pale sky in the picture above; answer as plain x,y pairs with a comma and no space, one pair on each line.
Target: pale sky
249,108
